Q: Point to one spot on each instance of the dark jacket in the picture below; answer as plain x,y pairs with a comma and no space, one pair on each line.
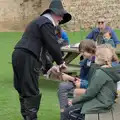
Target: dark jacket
85,66
93,35
101,91
38,37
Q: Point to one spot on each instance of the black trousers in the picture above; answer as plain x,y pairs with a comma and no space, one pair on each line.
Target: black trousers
26,70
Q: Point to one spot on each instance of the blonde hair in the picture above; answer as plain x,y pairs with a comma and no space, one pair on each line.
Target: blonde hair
107,53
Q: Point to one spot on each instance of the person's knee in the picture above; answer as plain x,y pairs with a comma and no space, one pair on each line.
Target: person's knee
63,87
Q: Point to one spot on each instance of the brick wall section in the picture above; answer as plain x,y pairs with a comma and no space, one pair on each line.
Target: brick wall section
15,14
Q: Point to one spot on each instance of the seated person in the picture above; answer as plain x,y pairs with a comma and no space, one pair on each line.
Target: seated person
97,33
115,62
107,39
87,49
62,36
102,86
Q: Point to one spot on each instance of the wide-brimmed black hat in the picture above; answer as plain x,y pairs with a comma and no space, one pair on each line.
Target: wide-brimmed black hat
57,8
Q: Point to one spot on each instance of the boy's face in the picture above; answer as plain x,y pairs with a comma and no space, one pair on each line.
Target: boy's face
107,35
86,54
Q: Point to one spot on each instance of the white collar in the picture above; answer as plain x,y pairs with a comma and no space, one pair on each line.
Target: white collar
47,15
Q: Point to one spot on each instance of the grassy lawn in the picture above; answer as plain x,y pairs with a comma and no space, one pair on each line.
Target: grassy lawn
9,104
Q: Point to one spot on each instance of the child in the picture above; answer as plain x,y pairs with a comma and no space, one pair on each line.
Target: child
87,49
115,61
102,87
62,36
107,39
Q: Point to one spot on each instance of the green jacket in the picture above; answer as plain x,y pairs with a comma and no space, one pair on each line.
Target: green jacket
101,91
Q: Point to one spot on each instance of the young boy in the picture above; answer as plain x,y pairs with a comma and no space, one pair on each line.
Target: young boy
102,87
87,48
62,36
107,39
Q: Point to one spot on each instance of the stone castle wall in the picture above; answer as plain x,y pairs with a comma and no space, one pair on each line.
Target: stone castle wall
86,12
15,14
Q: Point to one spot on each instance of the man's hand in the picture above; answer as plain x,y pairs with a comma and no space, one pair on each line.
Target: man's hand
54,70
57,70
63,67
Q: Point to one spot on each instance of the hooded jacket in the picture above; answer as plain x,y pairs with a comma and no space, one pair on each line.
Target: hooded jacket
102,90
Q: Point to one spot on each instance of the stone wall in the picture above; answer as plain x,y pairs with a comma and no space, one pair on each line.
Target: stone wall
86,12
15,14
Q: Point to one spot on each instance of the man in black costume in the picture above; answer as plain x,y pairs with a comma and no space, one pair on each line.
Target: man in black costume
28,57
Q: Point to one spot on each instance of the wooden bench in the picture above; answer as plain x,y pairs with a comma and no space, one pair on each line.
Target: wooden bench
73,69
118,50
113,114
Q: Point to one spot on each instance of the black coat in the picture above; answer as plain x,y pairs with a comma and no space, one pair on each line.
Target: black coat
38,37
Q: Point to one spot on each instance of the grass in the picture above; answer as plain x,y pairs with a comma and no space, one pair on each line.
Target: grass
9,103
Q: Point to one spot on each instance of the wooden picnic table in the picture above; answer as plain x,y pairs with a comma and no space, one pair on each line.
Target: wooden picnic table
73,52
118,49
70,53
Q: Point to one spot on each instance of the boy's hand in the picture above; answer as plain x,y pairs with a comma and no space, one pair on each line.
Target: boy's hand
77,82
70,102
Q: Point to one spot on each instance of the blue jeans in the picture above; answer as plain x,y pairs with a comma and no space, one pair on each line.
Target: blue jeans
66,88
63,90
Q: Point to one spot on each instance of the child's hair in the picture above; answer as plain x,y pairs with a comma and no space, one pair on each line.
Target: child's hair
106,47
88,46
107,31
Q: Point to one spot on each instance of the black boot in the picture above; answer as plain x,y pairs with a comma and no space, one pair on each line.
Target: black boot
30,107
61,116
22,106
